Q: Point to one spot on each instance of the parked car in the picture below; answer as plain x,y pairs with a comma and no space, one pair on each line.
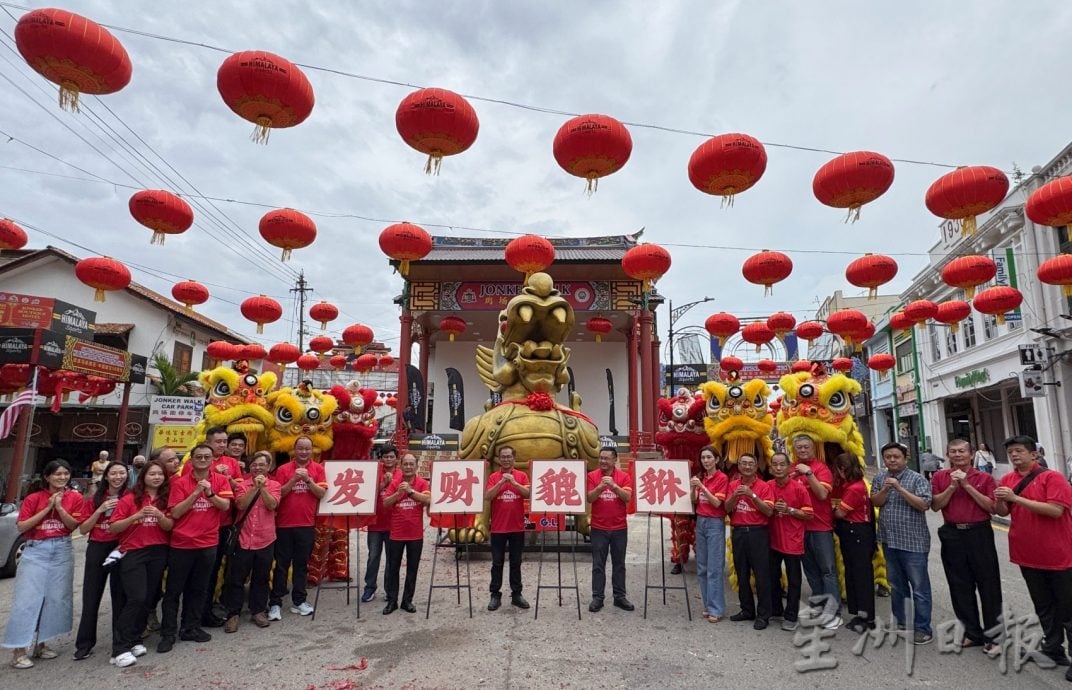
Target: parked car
10,540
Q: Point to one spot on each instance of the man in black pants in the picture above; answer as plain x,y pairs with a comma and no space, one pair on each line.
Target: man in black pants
226,451
751,503
507,490
409,494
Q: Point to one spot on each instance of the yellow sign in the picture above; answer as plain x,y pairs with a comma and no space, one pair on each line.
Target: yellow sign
179,438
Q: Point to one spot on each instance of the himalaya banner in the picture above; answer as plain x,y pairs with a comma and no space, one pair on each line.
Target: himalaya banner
455,399
689,375
415,384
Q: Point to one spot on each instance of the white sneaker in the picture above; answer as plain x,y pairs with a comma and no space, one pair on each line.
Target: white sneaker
275,613
123,660
303,609
138,650
833,624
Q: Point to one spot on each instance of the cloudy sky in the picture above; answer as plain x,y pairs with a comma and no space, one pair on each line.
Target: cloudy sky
920,80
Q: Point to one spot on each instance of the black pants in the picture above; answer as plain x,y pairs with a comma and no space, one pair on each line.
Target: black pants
412,548
857,541
614,542
189,571
293,546
377,544
793,576
971,564
217,566
141,570
1051,593
751,555
93,580
256,565
515,542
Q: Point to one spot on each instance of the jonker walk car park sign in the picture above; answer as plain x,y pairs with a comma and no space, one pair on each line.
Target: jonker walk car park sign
175,409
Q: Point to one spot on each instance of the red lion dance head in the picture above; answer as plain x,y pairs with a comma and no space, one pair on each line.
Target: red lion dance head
355,421
680,427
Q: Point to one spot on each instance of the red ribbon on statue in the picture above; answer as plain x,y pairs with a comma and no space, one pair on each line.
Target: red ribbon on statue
543,402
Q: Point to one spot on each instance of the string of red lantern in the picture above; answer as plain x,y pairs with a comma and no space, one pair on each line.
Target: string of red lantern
966,193
438,123
452,325
998,301
722,326
871,271
162,212
266,89
190,293
529,254
1051,204
11,235
852,180
599,326
261,309
767,268
103,273
969,272
1057,271
405,242
288,230
646,263
727,164
952,312
323,312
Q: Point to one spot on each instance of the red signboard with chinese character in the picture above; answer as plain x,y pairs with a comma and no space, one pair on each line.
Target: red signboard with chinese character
351,487
493,296
99,360
557,487
457,486
662,486
25,311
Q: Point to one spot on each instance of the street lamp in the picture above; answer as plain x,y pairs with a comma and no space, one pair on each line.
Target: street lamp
675,314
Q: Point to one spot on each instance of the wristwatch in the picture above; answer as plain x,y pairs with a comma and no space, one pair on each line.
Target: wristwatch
210,493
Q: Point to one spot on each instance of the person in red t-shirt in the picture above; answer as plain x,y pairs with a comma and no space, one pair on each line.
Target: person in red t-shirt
609,492
42,605
142,527
227,449
1040,504
302,483
507,490
856,534
792,511
820,564
256,500
965,496
380,528
196,500
750,505
709,489
408,494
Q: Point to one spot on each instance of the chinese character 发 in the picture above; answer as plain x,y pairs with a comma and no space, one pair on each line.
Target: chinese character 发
455,489
811,639
1023,637
558,488
660,486
881,633
348,483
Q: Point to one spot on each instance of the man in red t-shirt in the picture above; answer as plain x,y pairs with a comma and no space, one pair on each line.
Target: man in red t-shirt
609,492
820,564
792,511
225,463
195,502
750,505
381,525
302,483
1039,502
408,494
965,496
507,490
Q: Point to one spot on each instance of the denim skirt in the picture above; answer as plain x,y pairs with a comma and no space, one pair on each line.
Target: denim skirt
42,607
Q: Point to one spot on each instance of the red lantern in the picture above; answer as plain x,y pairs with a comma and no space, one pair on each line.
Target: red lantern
391,401
162,212
920,310
969,272
529,254
436,122
405,242
600,326
452,326
190,293
863,335
1051,204
846,322
767,366
900,322
998,301
288,230
722,326
952,312
966,193
871,271
321,344
881,362
337,362
757,333
1057,271
727,164
358,335
261,310
268,90
323,312
251,352
284,353
852,180
781,323
74,52
592,146
809,330
767,268
221,350
378,402
646,262
800,365
842,364
385,362
731,363
11,235
365,363
102,273
308,362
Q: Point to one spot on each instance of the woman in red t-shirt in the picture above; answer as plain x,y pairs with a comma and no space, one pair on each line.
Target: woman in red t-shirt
856,533
142,526
96,514
708,495
42,605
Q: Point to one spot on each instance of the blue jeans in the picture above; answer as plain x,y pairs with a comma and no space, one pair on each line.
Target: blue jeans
820,569
908,576
711,563
377,544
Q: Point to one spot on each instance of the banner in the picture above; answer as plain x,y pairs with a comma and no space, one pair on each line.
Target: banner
30,311
352,487
415,384
457,486
688,375
455,399
178,437
493,296
100,360
558,486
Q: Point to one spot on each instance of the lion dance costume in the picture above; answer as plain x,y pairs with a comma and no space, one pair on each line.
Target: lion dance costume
681,435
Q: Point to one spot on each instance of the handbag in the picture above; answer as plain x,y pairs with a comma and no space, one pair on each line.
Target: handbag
232,541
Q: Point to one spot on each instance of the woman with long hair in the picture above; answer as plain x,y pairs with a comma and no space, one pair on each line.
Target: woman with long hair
97,512
856,533
708,495
143,527
42,605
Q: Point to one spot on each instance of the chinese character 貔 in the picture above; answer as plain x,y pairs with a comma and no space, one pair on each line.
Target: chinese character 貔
559,488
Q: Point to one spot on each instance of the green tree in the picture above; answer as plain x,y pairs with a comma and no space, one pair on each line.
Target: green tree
171,382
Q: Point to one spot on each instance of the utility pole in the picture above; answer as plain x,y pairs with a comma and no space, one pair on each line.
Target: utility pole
301,289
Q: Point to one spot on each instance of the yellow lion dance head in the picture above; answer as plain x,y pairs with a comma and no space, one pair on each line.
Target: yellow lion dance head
819,405
297,412
237,400
737,419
